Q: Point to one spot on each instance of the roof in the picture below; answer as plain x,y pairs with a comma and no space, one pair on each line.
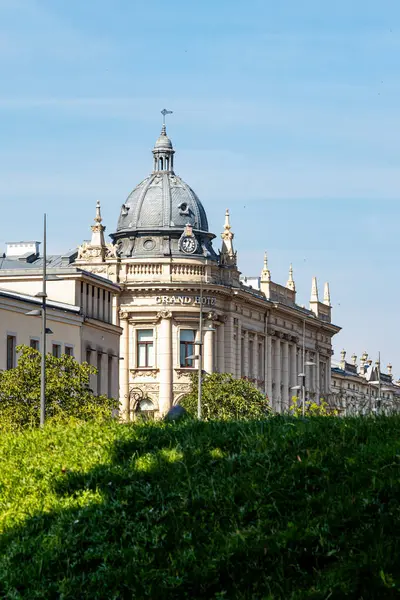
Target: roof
35,300
55,264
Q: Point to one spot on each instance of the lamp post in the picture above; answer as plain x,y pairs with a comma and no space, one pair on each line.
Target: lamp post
45,330
302,387
199,355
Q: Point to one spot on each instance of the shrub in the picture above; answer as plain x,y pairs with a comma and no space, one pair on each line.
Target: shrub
311,408
277,509
67,390
224,397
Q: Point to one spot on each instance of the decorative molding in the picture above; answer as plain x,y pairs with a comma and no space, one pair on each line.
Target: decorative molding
143,372
164,314
123,314
185,372
212,316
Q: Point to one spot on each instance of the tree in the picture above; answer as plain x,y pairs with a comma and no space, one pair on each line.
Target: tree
224,397
68,393
312,409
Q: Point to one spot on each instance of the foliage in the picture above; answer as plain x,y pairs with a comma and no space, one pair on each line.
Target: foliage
280,509
224,397
311,408
67,390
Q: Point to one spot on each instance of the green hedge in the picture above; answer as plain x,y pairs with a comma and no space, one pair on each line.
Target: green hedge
284,508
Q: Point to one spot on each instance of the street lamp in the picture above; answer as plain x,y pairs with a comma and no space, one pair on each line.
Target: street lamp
199,356
45,330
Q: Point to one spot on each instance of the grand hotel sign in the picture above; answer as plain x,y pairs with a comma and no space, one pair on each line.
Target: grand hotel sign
186,300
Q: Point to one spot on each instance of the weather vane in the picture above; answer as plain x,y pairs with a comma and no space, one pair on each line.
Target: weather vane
165,112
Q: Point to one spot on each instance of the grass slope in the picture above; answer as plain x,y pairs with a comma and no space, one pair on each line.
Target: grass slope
281,509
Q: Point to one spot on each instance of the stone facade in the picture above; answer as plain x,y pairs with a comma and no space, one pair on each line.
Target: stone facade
79,318
363,388
167,269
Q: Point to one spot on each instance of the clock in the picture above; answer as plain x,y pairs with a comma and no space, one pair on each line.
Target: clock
188,244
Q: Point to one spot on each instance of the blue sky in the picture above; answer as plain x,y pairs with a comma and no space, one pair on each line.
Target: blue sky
287,113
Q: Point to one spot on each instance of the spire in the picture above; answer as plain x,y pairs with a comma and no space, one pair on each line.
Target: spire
265,273
314,290
227,253
98,229
327,295
290,282
163,151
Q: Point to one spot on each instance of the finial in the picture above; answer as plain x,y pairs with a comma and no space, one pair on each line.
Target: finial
327,295
343,354
314,290
165,112
228,255
290,282
389,369
227,225
98,218
354,359
265,273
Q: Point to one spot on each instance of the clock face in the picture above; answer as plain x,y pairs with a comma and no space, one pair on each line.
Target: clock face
188,244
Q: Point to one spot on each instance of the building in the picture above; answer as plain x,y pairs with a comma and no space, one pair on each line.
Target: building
164,260
363,388
79,313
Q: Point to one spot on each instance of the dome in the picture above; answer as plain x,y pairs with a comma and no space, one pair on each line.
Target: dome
163,141
162,201
156,213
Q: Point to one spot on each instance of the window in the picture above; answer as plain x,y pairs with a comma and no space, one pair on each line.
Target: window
88,355
69,351
57,350
11,353
34,343
145,348
186,347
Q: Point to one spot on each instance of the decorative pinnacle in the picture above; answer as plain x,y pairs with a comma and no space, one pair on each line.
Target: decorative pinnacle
327,295
314,290
227,225
290,282
265,273
98,218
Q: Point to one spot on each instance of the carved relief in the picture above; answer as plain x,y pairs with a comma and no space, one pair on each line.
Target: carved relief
164,314
145,373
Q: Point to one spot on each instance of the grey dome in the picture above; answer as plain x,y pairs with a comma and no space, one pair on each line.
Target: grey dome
163,141
155,215
162,201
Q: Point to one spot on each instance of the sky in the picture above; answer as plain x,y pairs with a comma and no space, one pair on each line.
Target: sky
285,112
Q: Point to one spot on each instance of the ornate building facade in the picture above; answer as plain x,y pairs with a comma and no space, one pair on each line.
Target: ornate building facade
163,259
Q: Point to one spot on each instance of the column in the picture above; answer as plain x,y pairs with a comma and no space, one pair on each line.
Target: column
208,363
285,376
268,367
104,373
165,397
221,348
124,369
293,369
277,374
328,375
254,374
317,378
239,351
231,346
246,354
